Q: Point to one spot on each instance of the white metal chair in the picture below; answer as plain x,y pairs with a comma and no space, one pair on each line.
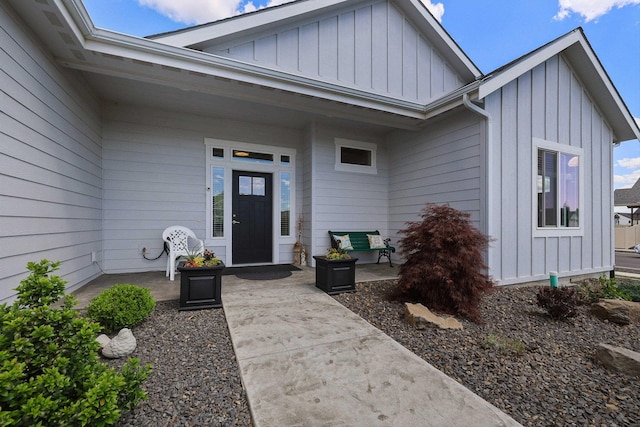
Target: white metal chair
182,242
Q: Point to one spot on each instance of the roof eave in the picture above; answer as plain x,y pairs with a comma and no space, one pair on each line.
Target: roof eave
576,49
96,40
195,36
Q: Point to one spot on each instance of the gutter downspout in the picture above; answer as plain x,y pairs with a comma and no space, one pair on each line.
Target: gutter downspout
488,161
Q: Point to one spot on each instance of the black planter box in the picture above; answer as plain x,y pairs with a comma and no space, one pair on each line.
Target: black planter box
335,275
200,287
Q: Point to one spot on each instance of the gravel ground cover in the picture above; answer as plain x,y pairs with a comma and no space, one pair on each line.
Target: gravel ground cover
196,379
540,371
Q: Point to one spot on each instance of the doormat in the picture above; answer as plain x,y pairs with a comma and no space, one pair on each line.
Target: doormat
261,272
265,275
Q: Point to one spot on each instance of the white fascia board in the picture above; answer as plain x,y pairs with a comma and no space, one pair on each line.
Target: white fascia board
186,59
494,82
611,100
451,101
76,17
625,127
259,18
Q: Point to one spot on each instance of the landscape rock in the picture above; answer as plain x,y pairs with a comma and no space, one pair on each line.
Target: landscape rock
121,345
617,311
618,358
420,317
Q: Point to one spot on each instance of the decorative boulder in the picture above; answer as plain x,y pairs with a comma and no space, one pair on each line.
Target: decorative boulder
617,311
420,317
121,345
103,340
618,358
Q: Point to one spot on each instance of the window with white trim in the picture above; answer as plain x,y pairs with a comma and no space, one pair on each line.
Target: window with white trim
559,186
285,203
217,201
355,156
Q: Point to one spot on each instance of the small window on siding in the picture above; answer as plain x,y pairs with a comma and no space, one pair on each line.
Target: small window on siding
355,156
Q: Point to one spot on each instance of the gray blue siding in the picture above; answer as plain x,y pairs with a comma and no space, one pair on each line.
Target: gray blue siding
441,164
373,47
154,177
549,103
50,160
347,200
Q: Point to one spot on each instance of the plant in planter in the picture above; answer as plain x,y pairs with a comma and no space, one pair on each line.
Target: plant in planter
333,253
336,272
200,281
207,259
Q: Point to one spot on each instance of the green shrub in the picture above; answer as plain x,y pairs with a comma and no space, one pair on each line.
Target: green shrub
444,266
560,303
631,289
590,290
122,306
51,373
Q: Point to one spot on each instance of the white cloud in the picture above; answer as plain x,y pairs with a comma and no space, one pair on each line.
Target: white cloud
589,9
629,163
202,11
436,9
627,180
192,12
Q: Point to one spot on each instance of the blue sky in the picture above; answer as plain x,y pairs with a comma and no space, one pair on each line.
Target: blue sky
492,33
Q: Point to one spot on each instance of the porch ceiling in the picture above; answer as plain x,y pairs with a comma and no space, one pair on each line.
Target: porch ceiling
275,109
137,71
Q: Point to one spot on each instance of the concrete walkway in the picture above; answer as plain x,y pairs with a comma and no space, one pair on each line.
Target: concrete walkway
306,360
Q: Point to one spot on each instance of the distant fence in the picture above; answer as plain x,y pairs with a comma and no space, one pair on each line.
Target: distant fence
627,237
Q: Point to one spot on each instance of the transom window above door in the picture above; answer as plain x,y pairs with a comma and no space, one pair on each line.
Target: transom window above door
253,156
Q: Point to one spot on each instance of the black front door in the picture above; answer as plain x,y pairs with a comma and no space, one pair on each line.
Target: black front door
252,218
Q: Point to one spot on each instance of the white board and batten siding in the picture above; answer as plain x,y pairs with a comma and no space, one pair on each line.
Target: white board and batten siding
155,177
374,47
50,163
548,103
343,200
441,164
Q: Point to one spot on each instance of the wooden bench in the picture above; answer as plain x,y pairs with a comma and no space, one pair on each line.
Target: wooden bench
360,243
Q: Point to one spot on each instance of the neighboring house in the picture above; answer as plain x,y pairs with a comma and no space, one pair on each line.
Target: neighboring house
629,197
624,219
351,114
